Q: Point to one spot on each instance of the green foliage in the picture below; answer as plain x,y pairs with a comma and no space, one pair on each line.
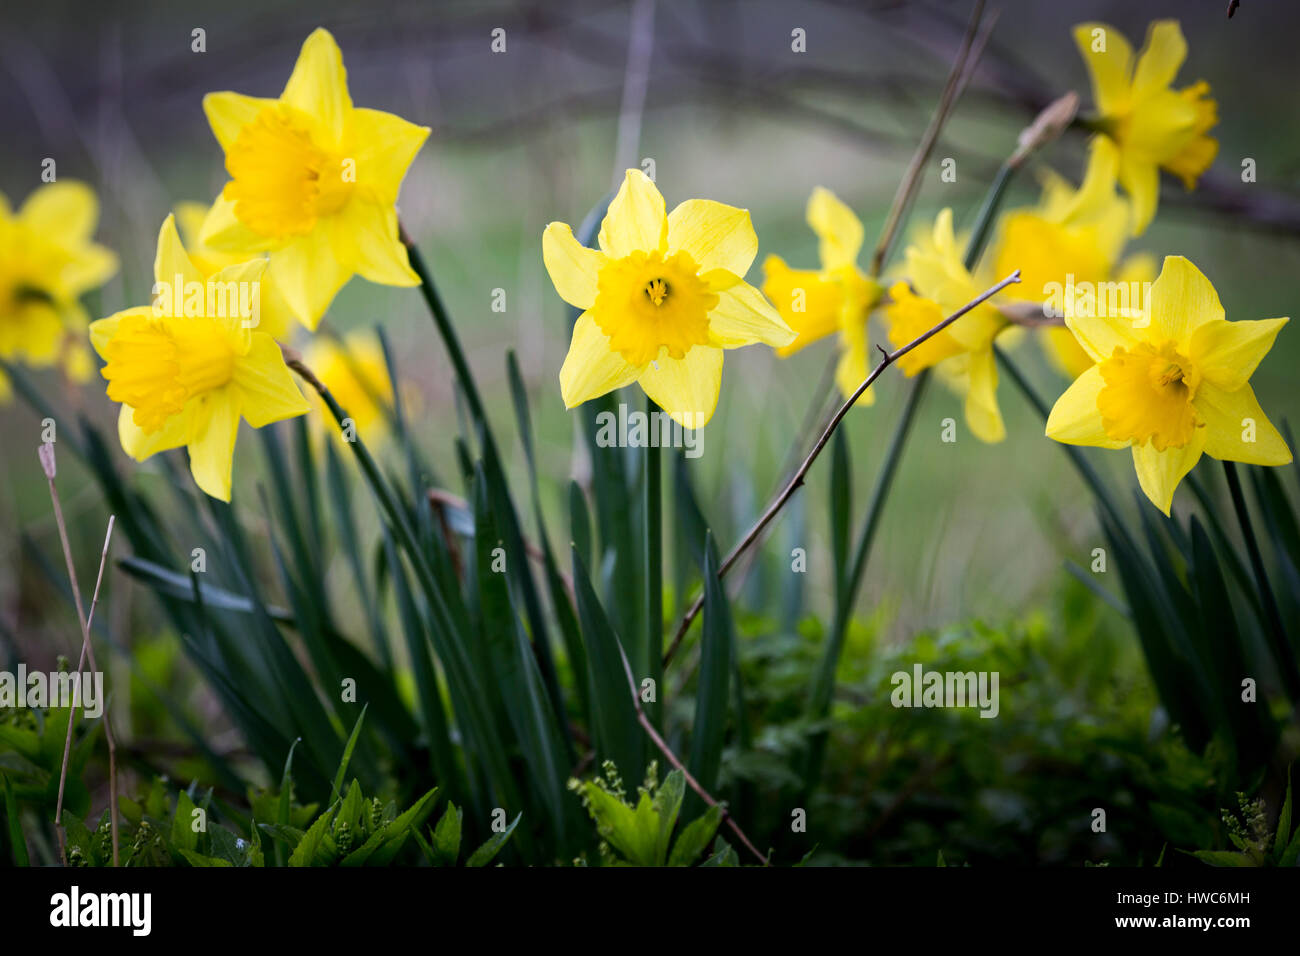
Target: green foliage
641,834
1257,843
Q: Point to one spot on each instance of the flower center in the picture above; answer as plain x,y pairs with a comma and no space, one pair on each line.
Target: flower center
156,365
281,182
1148,396
646,303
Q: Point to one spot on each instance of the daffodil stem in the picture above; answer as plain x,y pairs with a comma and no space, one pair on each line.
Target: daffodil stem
654,571
1281,647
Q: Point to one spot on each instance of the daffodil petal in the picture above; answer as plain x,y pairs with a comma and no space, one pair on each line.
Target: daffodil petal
574,268
715,235
838,230
267,388
67,210
591,368
211,444
1075,419
1110,64
319,85
371,230
171,260
635,220
743,317
385,148
1100,335
1236,428
851,368
101,330
225,232
1140,177
309,273
230,289
1227,353
228,113
1161,58
809,303
89,266
1159,472
983,416
140,444
686,388
1182,300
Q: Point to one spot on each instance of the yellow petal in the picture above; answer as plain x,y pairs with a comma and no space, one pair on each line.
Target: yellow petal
225,232
88,267
1161,57
715,235
1140,176
212,440
983,416
591,368
140,444
267,388
1227,353
743,317
319,85
635,220
1182,300
1100,335
1161,125
309,273
228,113
371,228
1109,68
65,212
851,369
1075,419
230,284
1159,472
573,268
385,148
102,330
171,260
808,302
1236,428
686,388
838,229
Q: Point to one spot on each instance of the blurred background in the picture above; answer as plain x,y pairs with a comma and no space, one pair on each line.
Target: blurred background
713,93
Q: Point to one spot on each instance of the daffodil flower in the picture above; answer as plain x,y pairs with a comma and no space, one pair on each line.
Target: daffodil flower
313,182
187,378
47,261
1153,124
838,297
356,374
1174,388
963,352
1073,238
662,298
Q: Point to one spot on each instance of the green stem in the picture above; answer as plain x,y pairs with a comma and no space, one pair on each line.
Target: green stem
1277,631
823,685
654,570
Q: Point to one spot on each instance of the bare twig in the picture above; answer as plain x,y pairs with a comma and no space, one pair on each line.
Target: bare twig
662,744
912,178
888,358
46,454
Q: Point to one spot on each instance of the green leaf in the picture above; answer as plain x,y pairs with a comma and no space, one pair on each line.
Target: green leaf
16,843
183,835
711,696
484,854
316,848
1223,858
695,837
723,854
668,804
385,843
1283,822
841,502
446,836
337,787
197,859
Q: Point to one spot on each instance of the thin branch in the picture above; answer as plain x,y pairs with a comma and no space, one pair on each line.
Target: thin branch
659,742
796,481
46,455
912,178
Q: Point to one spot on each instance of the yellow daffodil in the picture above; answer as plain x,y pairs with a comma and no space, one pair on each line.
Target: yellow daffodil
185,376
940,285
662,297
1072,240
1173,387
356,374
47,261
313,182
275,318
838,297
1153,124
